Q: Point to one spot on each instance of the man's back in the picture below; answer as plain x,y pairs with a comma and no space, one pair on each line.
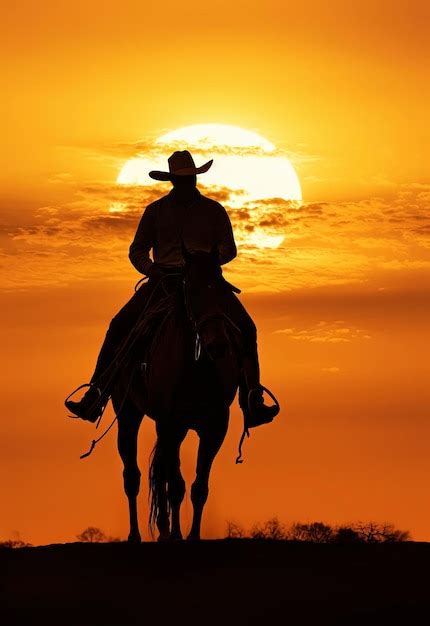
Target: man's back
198,222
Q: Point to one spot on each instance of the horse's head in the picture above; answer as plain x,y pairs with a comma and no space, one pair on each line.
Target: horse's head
203,296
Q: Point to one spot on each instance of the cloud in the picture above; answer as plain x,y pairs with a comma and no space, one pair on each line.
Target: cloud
323,243
325,332
153,149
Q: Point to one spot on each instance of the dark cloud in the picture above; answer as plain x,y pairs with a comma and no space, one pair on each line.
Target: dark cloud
275,220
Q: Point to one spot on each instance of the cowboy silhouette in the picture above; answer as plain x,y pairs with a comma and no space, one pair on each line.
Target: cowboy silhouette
183,220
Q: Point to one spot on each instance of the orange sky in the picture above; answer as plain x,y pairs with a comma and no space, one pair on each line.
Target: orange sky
342,305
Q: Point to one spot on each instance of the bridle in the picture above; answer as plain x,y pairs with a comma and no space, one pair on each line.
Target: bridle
197,324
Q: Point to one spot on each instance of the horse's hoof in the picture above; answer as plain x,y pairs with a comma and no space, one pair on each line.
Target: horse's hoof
192,537
134,538
164,535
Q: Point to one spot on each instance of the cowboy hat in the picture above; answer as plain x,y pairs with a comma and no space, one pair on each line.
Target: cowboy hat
181,163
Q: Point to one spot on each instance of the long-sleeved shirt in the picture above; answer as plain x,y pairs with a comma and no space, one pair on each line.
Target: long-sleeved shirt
200,223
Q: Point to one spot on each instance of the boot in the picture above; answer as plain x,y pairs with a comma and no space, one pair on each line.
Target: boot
251,398
91,405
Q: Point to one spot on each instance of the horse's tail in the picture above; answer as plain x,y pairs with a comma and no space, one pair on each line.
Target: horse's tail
157,482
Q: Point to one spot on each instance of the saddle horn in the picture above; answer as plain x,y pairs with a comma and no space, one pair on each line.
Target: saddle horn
186,255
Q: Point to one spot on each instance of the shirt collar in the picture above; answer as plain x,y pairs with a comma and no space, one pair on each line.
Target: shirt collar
190,195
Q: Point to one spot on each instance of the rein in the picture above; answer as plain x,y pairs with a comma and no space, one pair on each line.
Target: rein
197,324
211,316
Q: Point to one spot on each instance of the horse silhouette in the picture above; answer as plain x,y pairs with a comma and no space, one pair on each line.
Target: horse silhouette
183,373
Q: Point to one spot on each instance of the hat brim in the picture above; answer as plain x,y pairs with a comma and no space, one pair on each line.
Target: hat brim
186,171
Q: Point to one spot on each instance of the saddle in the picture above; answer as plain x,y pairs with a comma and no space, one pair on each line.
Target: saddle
149,327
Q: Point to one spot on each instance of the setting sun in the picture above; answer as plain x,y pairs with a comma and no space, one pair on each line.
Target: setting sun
244,161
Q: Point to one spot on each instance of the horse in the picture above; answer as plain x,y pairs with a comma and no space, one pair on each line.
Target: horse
185,377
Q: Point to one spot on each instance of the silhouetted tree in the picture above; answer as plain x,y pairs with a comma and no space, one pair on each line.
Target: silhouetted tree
372,532
345,534
298,532
316,532
234,531
92,535
272,529
14,543
319,532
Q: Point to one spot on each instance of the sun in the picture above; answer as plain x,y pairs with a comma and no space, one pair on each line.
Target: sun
245,164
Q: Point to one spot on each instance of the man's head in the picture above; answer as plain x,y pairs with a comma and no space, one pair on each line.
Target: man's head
183,182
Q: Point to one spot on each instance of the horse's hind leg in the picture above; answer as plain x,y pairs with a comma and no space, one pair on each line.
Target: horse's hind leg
159,513
176,485
211,439
128,429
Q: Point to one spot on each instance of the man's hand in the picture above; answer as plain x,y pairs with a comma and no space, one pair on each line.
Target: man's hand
155,272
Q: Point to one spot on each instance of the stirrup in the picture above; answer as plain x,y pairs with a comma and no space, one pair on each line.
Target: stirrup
92,406
245,432
81,387
262,388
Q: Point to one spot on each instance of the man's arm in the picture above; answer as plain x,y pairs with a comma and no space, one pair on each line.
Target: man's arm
143,242
224,236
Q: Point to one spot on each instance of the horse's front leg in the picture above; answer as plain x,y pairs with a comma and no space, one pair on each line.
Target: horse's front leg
211,439
167,480
128,429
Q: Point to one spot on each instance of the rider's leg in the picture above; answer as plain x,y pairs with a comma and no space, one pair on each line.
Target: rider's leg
89,407
250,391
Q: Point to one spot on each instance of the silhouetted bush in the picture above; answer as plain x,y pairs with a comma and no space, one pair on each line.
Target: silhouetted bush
234,531
345,534
318,532
272,529
14,543
92,534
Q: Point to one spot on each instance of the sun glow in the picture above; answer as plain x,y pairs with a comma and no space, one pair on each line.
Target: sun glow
263,240
245,165
213,136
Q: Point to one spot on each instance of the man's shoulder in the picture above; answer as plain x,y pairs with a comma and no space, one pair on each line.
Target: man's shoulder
155,203
151,209
211,203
